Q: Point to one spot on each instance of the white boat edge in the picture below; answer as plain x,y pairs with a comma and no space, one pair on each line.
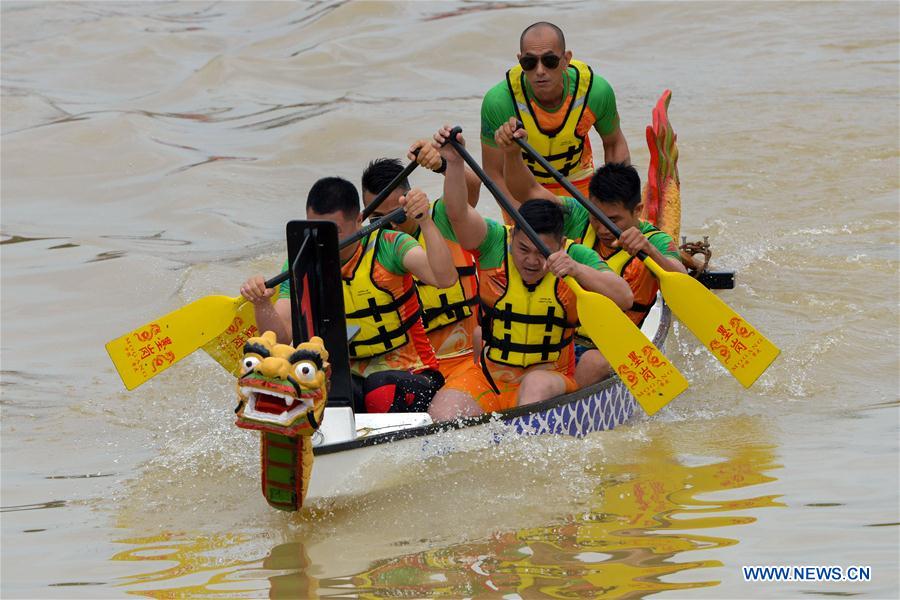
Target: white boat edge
346,444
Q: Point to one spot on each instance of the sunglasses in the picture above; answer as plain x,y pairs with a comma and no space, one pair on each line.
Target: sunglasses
529,62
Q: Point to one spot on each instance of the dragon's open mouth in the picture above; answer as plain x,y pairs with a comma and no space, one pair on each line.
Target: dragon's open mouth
273,407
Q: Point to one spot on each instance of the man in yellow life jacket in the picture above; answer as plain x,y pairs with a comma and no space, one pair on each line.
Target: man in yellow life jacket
616,190
449,315
530,314
391,360
559,100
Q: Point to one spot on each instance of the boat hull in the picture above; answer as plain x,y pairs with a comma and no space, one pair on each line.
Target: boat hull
345,468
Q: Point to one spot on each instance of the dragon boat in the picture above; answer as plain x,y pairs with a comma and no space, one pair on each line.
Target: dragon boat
311,451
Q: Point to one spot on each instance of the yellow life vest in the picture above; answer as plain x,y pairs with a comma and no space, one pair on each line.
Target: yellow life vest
374,310
443,306
527,325
562,147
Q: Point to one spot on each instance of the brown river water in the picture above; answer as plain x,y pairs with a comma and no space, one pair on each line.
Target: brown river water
151,154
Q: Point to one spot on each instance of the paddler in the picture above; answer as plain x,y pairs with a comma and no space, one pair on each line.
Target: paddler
616,190
449,315
393,365
529,314
559,100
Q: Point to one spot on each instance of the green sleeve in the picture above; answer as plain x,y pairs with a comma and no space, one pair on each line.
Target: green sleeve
392,250
284,288
492,250
663,242
602,102
586,256
496,109
442,221
576,218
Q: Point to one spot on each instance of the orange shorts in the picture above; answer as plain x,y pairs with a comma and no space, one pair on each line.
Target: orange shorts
449,367
472,380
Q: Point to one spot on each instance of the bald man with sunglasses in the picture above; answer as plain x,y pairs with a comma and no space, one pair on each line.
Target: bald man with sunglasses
559,100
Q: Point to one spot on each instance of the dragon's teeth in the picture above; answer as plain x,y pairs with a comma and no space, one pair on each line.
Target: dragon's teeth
289,401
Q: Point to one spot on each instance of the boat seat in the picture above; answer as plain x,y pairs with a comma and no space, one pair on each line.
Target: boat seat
340,424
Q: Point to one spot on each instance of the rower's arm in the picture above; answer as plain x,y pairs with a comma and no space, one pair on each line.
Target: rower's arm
633,241
594,275
492,163
473,187
518,177
606,283
424,153
468,225
434,266
615,147
275,317
667,263
269,317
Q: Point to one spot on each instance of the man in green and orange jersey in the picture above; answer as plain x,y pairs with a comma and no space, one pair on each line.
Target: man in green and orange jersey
616,190
559,100
530,314
449,315
391,360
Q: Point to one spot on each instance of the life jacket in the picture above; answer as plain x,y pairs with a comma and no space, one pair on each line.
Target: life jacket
562,147
617,262
527,325
374,310
443,306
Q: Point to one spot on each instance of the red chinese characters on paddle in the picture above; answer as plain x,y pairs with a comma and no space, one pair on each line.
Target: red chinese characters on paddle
229,346
647,373
736,343
149,350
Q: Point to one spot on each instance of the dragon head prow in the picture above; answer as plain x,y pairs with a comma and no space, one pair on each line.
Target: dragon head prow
282,389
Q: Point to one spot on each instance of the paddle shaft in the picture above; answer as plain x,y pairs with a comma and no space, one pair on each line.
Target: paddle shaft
396,215
495,191
392,216
596,212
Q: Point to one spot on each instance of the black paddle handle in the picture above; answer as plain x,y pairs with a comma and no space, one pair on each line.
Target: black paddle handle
596,212
281,277
383,194
502,200
395,216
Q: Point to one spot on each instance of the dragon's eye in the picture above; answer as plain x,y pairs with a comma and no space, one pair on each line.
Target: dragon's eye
306,372
248,363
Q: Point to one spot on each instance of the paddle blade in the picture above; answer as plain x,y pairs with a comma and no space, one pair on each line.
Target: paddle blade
650,377
735,343
227,348
152,348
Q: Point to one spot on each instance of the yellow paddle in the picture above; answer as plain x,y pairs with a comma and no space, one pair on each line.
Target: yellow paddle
650,377
735,343
219,324
154,347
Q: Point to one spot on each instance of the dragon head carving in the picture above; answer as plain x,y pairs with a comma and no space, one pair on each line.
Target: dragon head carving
282,389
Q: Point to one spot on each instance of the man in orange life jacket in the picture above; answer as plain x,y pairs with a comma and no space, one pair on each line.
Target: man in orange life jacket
559,100
616,190
392,362
530,313
449,315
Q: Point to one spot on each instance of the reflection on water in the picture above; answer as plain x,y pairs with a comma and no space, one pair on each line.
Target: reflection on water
640,525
